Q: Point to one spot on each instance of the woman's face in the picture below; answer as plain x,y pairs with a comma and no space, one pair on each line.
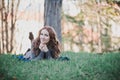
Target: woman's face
44,36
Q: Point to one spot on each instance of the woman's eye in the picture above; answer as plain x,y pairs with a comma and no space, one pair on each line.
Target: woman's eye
46,35
41,33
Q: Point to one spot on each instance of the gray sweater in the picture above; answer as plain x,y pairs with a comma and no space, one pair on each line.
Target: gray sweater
42,55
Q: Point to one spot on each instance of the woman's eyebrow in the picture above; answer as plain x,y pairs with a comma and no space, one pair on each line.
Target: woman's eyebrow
41,33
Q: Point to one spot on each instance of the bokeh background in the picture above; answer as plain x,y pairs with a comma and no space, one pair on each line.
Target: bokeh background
87,25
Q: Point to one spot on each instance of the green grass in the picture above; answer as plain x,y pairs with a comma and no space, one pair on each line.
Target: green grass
82,66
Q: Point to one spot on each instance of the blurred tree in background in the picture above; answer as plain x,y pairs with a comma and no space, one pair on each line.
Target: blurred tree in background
99,17
7,28
52,15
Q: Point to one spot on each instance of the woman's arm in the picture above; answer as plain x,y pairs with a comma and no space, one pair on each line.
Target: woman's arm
44,55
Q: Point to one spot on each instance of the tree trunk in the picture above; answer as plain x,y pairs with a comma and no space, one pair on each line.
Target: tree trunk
52,15
6,40
6,27
12,26
92,48
13,22
2,27
99,31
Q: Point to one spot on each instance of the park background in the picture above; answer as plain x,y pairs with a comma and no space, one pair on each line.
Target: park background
86,25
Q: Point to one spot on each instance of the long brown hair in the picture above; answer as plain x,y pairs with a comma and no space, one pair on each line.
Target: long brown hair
54,43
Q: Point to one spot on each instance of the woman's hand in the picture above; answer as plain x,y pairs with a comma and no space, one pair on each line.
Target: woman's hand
43,47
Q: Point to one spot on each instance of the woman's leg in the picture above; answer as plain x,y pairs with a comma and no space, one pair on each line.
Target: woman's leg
27,51
30,53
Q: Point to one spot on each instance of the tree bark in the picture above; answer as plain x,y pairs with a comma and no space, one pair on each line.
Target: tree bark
52,15
99,31
6,40
2,27
13,22
6,26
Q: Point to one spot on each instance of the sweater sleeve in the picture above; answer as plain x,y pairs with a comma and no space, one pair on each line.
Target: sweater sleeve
44,55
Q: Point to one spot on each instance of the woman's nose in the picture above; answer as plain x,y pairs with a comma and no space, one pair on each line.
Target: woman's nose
42,36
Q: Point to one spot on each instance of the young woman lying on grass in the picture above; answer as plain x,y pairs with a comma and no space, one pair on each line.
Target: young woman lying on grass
45,46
